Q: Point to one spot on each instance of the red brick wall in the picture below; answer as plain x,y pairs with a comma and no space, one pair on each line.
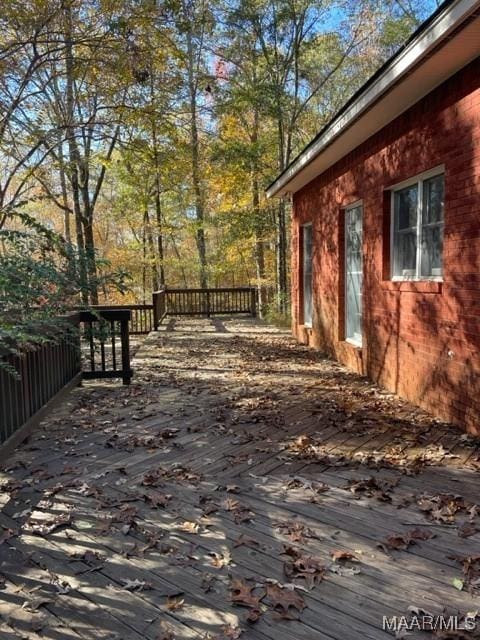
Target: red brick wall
420,340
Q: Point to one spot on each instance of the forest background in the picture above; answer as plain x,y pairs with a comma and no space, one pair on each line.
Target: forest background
137,138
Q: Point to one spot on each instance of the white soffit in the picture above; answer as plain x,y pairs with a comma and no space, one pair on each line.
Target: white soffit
414,73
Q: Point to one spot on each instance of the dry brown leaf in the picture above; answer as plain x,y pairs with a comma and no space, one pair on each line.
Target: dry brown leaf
157,499
245,540
287,604
229,632
189,527
229,504
467,529
242,593
295,531
303,567
401,541
253,616
339,555
45,527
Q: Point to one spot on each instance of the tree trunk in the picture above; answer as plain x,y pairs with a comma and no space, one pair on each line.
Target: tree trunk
73,152
151,250
144,265
281,242
160,252
196,178
180,263
90,257
63,185
158,189
282,281
259,253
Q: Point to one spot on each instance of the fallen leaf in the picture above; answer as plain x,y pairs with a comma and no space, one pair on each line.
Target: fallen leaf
253,616
245,540
157,499
458,583
304,567
229,632
467,529
189,527
295,531
401,541
242,593
136,585
35,603
287,604
339,555
45,527
220,560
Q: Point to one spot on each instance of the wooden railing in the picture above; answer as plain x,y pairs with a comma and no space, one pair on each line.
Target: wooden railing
105,343
141,319
87,344
206,302
186,302
31,379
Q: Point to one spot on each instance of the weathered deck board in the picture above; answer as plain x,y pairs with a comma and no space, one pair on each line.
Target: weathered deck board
230,412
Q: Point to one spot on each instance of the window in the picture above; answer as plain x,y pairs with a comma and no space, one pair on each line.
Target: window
307,274
353,274
417,221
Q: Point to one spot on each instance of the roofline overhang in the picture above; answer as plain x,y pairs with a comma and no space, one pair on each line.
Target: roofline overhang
398,70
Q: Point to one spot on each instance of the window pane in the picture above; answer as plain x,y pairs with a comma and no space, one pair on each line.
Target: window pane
433,200
432,244
353,275
405,253
406,203
307,274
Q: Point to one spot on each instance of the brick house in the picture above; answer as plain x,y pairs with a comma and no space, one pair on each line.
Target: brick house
386,223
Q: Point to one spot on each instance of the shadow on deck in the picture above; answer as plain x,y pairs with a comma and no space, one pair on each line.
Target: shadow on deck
236,463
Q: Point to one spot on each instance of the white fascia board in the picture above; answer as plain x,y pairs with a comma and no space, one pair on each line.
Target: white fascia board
444,24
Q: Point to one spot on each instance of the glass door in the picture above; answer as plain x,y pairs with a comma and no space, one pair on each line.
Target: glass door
353,274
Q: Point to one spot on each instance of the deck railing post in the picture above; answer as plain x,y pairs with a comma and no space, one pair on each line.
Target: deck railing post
125,339
253,303
208,303
155,310
159,307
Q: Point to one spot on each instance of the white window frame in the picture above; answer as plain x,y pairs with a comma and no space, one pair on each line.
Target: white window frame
308,324
418,179
354,205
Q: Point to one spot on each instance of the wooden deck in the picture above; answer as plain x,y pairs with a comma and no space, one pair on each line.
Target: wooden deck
236,463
